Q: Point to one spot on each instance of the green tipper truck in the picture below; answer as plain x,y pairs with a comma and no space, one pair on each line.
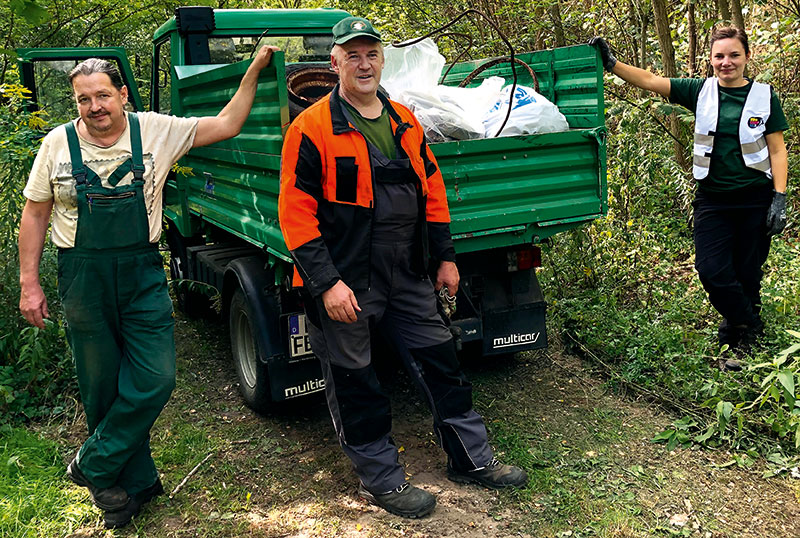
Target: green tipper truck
506,195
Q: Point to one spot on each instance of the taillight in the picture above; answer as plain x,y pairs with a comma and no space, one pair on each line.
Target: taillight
524,258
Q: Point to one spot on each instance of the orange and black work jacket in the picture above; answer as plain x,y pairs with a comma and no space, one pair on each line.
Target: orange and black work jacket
326,202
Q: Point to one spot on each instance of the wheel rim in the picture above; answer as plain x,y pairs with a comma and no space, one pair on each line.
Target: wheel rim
245,349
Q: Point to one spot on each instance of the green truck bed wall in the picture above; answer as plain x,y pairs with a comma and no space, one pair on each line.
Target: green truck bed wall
501,191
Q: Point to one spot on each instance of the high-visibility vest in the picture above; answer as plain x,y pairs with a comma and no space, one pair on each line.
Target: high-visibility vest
752,125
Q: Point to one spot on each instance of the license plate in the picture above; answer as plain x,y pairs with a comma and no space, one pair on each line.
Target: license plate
299,345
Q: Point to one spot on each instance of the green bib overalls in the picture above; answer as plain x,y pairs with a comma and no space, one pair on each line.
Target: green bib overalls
119,321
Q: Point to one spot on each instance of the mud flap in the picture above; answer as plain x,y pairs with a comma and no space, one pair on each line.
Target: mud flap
293,379
519,328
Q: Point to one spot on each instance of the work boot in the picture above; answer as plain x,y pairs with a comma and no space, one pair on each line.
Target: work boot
405,500
114,519
751,335
113,498
730,334
495,475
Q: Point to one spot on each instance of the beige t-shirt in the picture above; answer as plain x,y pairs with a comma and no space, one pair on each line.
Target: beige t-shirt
165,139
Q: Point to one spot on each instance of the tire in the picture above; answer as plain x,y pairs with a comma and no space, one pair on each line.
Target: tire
253,374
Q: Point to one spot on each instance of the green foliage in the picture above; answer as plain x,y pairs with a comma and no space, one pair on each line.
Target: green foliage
625,287
36,375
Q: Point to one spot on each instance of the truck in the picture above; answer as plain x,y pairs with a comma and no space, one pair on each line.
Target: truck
506,195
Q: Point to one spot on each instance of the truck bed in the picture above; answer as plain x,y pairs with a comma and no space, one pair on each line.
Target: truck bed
501,191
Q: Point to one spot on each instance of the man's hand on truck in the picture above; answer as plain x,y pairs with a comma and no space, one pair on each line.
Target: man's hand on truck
340,303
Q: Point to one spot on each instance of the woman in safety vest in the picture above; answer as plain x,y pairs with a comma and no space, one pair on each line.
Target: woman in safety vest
740,164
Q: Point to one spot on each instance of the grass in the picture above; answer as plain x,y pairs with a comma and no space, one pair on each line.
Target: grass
593,470
36,500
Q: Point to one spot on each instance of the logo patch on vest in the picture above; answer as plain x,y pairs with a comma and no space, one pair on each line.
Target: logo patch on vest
754,122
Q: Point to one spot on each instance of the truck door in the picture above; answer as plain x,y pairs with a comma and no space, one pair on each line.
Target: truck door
45,72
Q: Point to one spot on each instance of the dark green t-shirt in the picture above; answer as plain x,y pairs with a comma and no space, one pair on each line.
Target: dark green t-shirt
378,131
727,171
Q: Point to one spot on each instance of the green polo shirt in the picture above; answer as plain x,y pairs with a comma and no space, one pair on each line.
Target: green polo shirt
727,171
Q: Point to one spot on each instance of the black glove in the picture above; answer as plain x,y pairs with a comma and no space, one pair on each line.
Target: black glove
776,215
605,52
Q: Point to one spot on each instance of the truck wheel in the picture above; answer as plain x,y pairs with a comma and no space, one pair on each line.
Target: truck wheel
253,374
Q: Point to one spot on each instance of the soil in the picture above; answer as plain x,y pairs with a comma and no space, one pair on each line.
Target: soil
299,483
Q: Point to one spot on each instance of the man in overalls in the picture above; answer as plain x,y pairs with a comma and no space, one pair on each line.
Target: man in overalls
362,208
101,176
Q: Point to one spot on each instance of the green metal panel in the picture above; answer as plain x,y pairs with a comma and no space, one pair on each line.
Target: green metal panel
516,190
235,182
277,21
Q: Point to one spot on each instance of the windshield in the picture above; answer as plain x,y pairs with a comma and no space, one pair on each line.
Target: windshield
310,48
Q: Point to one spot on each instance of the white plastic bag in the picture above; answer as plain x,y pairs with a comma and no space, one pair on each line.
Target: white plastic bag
531,113
411,77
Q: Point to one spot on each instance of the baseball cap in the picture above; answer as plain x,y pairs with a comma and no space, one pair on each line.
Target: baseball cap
352,27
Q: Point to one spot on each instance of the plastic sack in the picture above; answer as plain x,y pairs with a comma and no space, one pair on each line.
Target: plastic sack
532,113
411,77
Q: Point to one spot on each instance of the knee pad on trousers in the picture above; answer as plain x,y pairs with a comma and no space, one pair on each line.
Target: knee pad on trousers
363,408
441,373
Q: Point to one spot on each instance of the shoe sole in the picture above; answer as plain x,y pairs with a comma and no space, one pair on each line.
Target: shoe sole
367,496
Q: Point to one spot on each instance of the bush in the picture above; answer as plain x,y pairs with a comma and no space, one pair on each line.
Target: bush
36,373
626,288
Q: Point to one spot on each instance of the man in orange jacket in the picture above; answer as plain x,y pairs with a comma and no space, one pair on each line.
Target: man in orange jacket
362,209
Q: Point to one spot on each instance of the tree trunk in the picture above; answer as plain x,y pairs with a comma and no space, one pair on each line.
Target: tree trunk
692,28
558,28
736,13
643,23
724,10
668,59
664,37
633,19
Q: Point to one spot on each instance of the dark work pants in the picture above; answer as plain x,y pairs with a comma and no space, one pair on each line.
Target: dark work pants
731,245
405,307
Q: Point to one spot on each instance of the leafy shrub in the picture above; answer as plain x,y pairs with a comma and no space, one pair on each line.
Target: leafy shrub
626,288
36,373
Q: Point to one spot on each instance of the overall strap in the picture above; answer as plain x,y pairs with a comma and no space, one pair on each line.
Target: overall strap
136,147
135,162
78,168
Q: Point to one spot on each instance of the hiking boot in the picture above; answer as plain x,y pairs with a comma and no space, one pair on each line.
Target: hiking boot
495,475
113,498
405,500
114,519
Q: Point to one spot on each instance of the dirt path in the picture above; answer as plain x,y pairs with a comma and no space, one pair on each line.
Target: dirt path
594,471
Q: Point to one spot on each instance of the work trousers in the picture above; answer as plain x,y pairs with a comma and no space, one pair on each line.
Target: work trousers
404,306
731,245
121,331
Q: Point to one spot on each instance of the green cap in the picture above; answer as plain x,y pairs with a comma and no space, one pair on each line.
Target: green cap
352,27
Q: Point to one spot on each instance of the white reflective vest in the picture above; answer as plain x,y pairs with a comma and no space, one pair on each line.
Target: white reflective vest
751,127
